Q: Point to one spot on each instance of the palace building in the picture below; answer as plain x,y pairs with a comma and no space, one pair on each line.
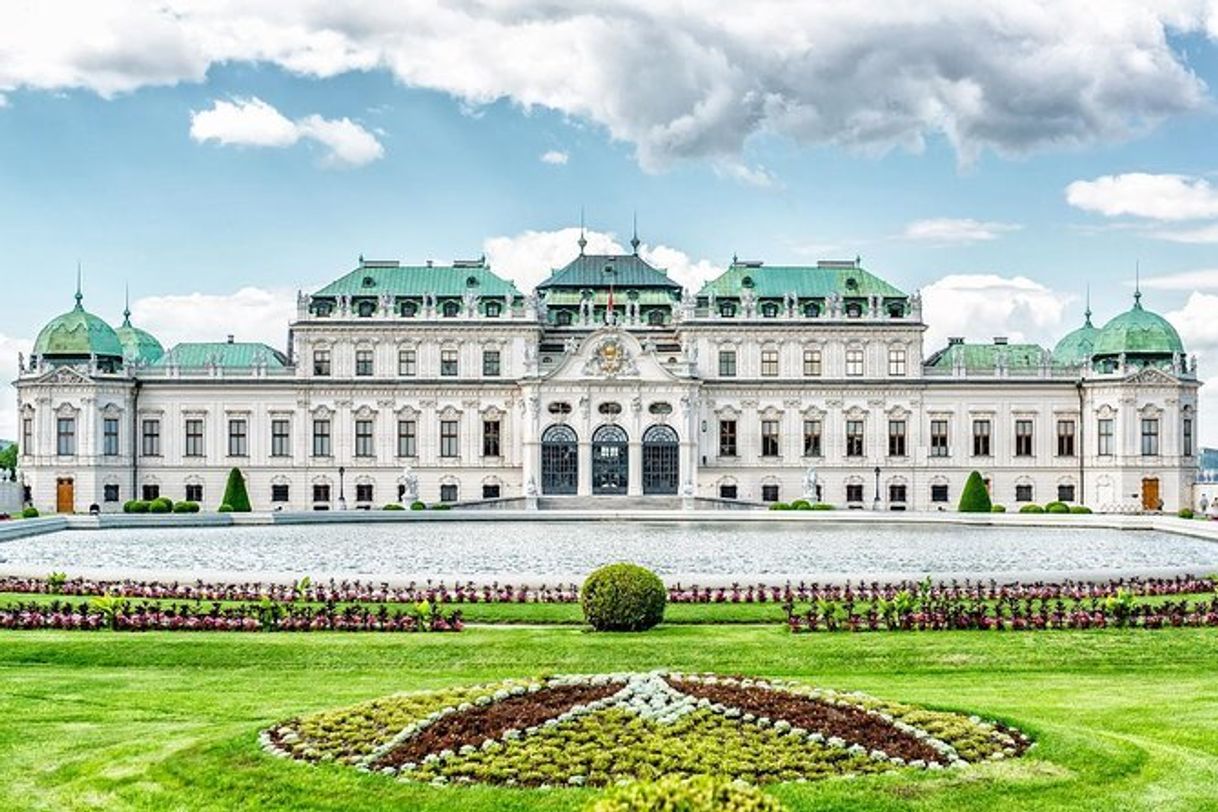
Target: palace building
448,383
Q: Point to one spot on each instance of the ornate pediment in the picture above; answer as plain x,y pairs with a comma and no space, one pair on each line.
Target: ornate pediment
1150,376
610,359
65,376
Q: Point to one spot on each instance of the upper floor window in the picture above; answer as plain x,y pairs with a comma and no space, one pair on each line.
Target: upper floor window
727,363
321,362
660,407
896,438
363,438
448,362
238,437
321,437
490,438
896,362
281,438
1023,438
27,436
812,438
449,442
981,438
407,438
812,364
65,436
150,444
490,363
451,309
409,309
109,437
407,363
854,361
655,317
727,438
363,363
610,409
194,438
1065,438
854,438
1150,437
1188,437
769,362
854,310
559,407
938,438
563,318
1103,437
769,438
727,309
811,309
769,310
493,309
366,309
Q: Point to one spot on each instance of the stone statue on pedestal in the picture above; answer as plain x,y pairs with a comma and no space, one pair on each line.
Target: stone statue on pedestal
811,485
410,487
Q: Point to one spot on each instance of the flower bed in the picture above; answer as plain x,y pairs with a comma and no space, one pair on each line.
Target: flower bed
439,592
603,729
122,615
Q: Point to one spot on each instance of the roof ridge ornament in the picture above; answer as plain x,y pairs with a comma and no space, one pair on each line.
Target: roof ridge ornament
634,241
583,242
126,304
1137,284
79,296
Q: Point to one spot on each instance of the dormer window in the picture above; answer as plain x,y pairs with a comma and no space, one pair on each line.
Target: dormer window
854,310
655,317
409,310
493,309
747,282
769,310
451,309
563,318
852,283
366,309
896,310
323,309
471,281
727,309
811,309
368,282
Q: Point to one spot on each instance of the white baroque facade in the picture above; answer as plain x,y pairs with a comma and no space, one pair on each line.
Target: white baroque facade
771,383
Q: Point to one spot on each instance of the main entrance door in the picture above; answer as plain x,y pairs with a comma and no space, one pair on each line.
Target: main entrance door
661,460
559,460
65,496
1150,495
610,460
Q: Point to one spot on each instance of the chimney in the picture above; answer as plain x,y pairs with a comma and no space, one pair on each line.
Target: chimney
1001,341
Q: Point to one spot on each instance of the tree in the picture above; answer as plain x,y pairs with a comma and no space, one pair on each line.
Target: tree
8,457
975,498
235,495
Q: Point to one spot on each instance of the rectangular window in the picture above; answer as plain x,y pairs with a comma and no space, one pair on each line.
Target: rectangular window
280,493
281,438
896,362
448,362
321,363
1023,438
854,438
769,438
151,438
812,438
769,493
938,493
727,363
727,491
490,438
896,493
769,363
110,437
363,439
150,492
238,438
490,491
812,368
110,493
27,435
407,363
1023,493
1188,437
194,438
1065,493
938,438
194,493
1103,437
981,438
407,438
1065,438
363,363
727,438
321,493
65,436
896,438
448,493
449,445
363,492
1150,437
490,363
854,492
854,361
321,438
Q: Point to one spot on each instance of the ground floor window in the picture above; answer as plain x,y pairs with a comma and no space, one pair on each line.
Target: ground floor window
896,493
448,493
363,492
1023,493
769,493
150,492
938,493
279,493
490,491
1065,493
110,493
727,491
194,493
321,493
854,493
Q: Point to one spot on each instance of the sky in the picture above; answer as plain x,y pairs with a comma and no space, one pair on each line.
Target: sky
1000,156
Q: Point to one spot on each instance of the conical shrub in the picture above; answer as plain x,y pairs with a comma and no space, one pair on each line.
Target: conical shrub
235,495
975,498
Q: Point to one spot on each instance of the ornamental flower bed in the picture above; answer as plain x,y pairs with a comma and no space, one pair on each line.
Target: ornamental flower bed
439,592
608,728
122,615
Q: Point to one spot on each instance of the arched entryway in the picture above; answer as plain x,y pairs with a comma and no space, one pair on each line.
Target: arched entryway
610,460
661,460
559,460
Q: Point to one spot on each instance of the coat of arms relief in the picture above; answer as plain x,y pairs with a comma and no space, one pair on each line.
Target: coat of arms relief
610,359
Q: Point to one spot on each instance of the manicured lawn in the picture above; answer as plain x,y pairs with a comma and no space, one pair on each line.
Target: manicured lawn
1124,719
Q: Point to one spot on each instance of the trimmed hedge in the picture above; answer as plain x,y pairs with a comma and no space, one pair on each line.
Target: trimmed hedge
975,498
676,793
822,506
135,506
1057,507
186,507
417,505
1031,509
779,506
393,506
225,507
998,509
29,513
623,597
1079,509
801,504
162,504
235,494
441,506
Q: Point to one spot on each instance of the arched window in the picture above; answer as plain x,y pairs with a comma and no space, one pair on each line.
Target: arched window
493,309
727,309
563,318
655,317
661,460
769,310
811,309
896,310
451,309
409,309
366,309
559,460
610,460
854,310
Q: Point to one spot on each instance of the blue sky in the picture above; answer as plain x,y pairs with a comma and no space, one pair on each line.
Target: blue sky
108,154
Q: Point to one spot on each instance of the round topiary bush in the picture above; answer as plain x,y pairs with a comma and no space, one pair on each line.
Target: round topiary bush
998,509
417,505
29,513
226,508
1057,507
975,498
779,506
186,507
393,506
675,793
139,506
1079,509
801,504
623,597
441,506
157,506
1031,509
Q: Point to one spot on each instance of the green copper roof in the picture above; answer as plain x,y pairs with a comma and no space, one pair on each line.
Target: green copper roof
985,356
78,333
227,355
589,271
847,279
377,278
1076,347
138,345
1138,332
646,296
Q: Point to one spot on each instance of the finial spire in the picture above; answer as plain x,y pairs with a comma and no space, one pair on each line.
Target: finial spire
79,295
634,241
583,242
1137,284
1087,312
126,305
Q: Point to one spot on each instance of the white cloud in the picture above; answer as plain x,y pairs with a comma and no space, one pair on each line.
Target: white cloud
1154,197
527,258
1202,279
253,122
555,156
3,101
757,176
249,314
951,230
981,306
1199,331
1205,235
9,348
677,80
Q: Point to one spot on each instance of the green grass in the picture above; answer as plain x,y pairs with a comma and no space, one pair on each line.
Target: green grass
156,721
